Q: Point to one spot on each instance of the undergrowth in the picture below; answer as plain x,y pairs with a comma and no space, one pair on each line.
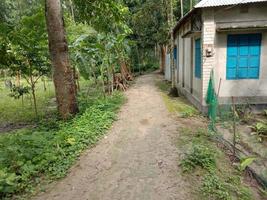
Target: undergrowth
15,111
179,105
199,156
220,181
30,156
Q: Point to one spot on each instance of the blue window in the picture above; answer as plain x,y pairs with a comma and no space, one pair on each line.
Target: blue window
243,56
198,58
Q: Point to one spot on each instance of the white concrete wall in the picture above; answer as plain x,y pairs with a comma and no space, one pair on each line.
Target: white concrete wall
208,42
217,42
187,64
180,60
247,90
244,87
186,67
168,68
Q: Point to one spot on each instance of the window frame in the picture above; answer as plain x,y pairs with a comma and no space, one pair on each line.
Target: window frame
239,56
198,63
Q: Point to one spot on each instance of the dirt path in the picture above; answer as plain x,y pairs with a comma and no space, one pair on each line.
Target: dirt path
137,160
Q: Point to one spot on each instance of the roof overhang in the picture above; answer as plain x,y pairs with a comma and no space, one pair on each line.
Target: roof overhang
241,26
215,3
218,3
191,34
182,20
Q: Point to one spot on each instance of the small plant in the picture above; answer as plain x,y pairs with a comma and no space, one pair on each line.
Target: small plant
199,156
260,129
214,188
7,182
246,162
18,91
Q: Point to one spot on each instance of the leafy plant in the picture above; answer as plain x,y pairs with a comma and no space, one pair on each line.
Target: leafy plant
7,181
29,155
260,129
214,188
246,162
199,156
19,91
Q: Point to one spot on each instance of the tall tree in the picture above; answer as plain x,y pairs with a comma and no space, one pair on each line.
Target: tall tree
62,72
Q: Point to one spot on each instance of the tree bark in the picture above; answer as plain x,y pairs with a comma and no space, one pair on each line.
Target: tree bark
163,59
33,95
172,47
62,73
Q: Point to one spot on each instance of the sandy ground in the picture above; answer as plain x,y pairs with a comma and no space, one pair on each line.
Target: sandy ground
137,160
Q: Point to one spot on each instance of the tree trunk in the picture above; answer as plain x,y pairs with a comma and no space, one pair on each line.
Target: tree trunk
44,82
33,96
18,79
163,59
174,91
62,73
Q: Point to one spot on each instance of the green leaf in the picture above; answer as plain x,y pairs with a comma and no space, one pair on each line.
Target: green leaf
246,162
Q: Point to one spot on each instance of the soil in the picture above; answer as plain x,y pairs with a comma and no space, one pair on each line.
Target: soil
137,159
7,128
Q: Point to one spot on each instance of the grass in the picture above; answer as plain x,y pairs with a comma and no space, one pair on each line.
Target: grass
30,157
15,112
179,105
202,158
204,165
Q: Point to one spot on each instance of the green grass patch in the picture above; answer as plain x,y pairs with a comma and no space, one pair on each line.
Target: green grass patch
200,156
16,111
178,106
164,86
203,159
28,157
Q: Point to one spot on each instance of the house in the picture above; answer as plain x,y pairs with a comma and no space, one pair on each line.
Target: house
228,37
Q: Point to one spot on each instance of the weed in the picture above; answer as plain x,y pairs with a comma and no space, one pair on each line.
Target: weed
179,106
199,156
226,188
213,188
18,111
260,129
234,185
221,182
164,86
29,155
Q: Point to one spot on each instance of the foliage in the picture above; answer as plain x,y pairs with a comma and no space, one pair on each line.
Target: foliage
246,162
200,156
15,113
28,155
97,54
214,188
260,129
104,16
220,181
18,91
226,188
